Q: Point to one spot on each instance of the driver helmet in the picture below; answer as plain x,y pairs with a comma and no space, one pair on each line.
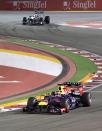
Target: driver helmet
35,15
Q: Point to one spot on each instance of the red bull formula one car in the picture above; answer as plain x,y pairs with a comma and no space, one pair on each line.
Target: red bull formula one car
70,95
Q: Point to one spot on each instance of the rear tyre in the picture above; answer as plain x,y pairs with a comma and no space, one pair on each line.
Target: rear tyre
86,99
47,20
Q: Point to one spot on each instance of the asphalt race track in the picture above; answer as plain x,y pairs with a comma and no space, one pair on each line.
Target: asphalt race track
83,119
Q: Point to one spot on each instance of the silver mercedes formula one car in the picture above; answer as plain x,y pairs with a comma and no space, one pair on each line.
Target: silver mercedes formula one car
37,19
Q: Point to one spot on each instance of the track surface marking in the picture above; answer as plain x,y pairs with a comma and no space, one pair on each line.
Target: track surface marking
86,24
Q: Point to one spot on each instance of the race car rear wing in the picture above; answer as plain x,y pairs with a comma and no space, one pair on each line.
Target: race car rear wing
71,87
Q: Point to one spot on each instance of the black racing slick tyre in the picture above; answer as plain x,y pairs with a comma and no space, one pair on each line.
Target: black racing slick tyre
30,22
41,21
65,104
31,102
24,21
24,109
47,20
86,99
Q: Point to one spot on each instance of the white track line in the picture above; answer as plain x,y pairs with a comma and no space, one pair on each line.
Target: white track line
7,82
85,25
2,77
94,87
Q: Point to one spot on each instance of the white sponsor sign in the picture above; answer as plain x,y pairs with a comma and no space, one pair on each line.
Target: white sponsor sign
89,4
7,82
79,4
33,4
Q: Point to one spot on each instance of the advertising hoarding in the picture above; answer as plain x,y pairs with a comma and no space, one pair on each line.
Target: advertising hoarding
52,5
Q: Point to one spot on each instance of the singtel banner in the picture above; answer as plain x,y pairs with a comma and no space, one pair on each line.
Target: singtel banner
35,4
80,4
52,5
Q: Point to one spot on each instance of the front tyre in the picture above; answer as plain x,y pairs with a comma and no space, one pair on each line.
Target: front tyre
47,20
41,21
24,109
31,103
24,21
65,104
30,21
